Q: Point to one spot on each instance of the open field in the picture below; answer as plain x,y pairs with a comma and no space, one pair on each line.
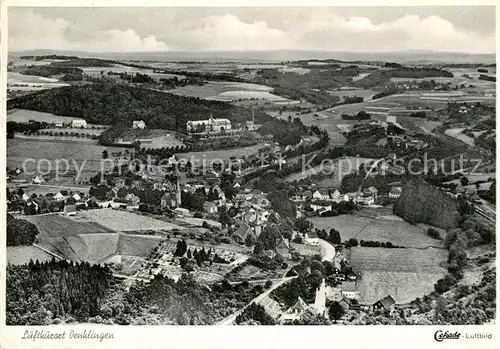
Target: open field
24,115
136,245
86,154
18,255
99,246
126,221
402,286
402,273
223,154
366,94
457,134
57,225
364,228
18,81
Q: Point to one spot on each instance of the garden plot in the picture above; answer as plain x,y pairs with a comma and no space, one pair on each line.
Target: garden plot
370,229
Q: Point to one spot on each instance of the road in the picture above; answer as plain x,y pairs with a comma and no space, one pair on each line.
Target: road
232,318
328,250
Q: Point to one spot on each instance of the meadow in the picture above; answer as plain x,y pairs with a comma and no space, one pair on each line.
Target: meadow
402,273
18,255
88,155
223,154
377,229
126,221
228,91
24,115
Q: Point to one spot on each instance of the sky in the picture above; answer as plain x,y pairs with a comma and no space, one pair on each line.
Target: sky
336,29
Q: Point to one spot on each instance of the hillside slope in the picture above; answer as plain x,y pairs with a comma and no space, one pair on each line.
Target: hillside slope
108,104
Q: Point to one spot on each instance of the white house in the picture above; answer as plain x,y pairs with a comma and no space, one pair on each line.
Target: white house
25,197
336,195
59,196
395,192
79,123
37,180
77,197
321,194
209,125
368,200
138,124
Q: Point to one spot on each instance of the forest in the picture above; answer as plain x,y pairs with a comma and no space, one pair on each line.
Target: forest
111,104
20,231
49,292
422,203
381,78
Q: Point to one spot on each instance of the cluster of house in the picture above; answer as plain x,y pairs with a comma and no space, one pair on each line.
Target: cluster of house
321,199
62,201
347,296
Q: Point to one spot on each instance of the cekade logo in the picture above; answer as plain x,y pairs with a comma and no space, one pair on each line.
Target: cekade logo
439,336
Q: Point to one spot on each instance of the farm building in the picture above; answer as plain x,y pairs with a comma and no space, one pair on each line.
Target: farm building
386,303
79,123
138,124
321,194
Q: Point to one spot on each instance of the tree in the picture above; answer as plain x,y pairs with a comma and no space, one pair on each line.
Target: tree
105,154
336,311
258,247
250,240
464,181
353,242
303,225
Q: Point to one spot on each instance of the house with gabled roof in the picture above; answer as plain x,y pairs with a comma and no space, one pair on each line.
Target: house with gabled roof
386,303
283,247
243,231
294,312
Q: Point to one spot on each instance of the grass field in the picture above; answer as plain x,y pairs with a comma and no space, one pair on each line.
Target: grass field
24,115
18,255
225,90
366,94
402,273
126,221
223,154
370,229
55,225
87,155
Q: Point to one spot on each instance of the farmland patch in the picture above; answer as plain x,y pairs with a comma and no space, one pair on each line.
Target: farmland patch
370,229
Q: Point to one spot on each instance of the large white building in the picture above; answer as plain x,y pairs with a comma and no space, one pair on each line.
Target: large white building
79,123
209,125
138,124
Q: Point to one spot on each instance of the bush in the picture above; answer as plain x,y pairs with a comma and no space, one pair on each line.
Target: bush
433,233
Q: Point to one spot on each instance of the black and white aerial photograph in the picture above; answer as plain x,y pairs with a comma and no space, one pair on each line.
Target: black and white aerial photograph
235,166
